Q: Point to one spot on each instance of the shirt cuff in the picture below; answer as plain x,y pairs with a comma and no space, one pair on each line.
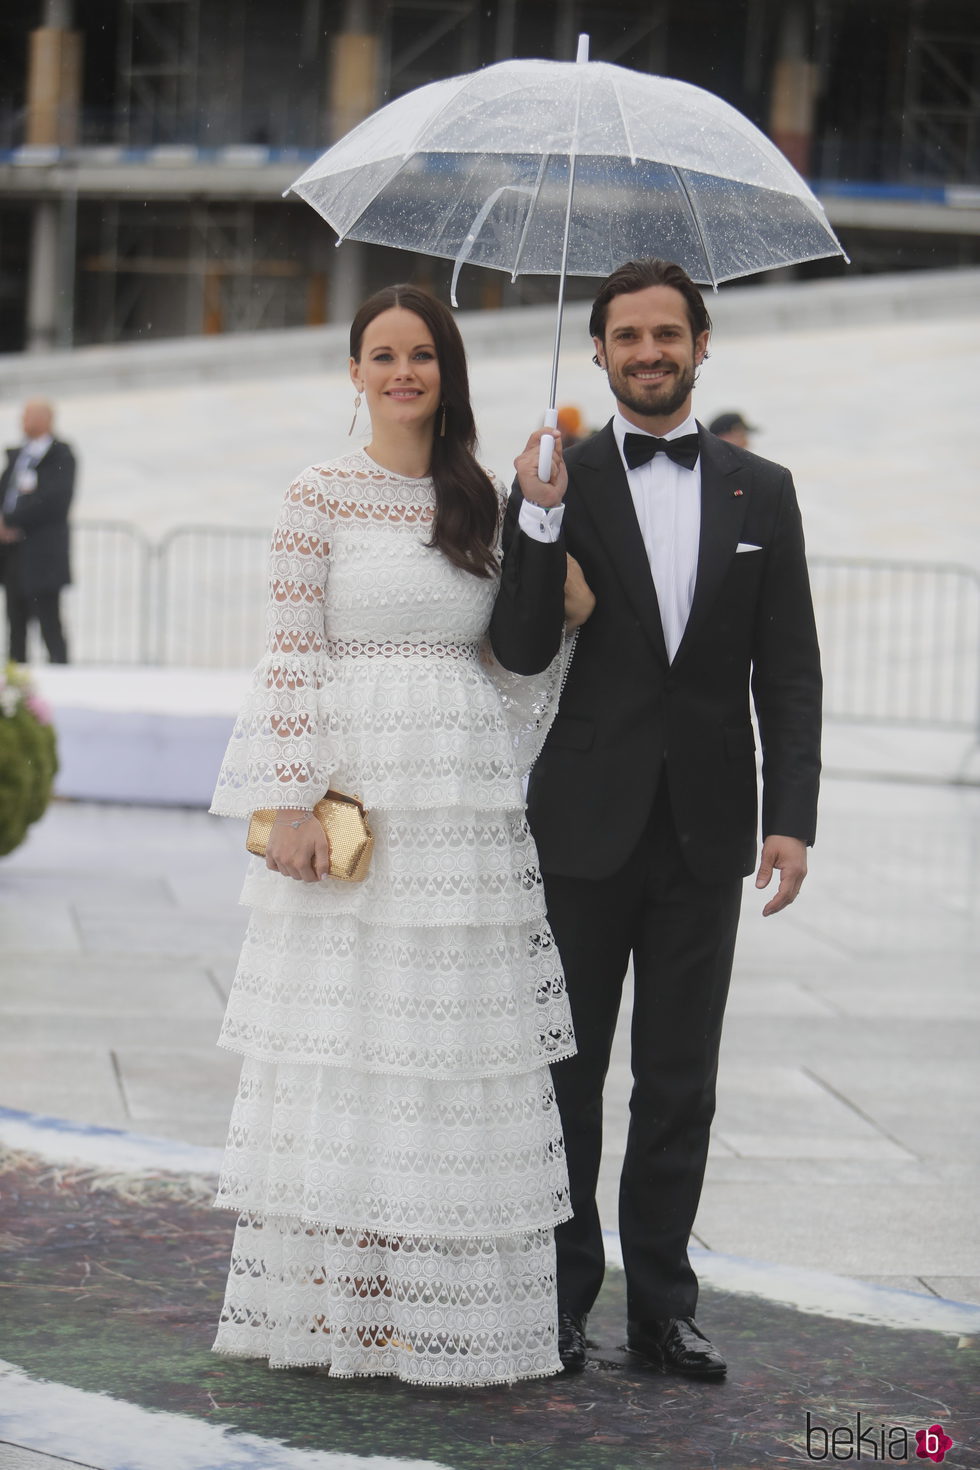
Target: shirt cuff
539,523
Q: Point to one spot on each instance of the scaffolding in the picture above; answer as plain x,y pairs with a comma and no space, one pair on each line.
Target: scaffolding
941,113
204,267
188,240
412,30
158,70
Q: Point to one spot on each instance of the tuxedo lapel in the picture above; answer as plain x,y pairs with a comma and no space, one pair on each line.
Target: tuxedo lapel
41,458
724,496
7,472
602,488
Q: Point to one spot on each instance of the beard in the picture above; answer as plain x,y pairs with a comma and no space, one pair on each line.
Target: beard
659,400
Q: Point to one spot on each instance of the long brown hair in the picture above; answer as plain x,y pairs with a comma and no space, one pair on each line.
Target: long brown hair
465,524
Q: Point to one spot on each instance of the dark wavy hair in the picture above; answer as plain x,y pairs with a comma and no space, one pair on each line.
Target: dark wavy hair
637,275
465,525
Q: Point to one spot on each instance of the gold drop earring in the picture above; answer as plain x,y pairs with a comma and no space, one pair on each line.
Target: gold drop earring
357,404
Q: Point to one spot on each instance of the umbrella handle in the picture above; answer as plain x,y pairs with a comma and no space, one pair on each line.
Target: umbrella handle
546,448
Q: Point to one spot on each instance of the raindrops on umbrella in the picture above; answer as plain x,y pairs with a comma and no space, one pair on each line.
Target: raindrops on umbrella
555,168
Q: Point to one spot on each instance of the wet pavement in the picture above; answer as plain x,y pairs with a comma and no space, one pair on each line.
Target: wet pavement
844,1151
849,1108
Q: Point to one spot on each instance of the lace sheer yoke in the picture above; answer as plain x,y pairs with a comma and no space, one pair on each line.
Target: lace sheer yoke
370,629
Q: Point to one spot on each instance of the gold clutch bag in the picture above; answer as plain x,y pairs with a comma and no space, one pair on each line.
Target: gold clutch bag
344,821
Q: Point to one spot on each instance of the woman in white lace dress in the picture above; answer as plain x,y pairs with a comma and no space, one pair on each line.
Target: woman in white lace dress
395,1153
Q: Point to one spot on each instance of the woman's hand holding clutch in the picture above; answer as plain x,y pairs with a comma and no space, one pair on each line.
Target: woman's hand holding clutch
298,847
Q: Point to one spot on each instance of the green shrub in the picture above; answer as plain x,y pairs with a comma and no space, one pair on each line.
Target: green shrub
28,757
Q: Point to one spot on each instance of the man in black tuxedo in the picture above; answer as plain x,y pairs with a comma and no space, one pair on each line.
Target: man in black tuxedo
36,489
643,803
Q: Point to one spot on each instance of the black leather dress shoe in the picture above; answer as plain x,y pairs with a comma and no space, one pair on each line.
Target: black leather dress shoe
677,1345
571,1342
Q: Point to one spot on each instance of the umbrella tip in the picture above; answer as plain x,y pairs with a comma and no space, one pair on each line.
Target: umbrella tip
583,48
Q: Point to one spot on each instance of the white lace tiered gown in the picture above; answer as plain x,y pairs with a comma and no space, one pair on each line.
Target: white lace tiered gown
394,1153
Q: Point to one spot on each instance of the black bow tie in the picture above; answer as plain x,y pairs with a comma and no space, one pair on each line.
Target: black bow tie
640,449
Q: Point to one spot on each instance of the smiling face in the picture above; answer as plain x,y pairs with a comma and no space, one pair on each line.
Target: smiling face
650,355
398,369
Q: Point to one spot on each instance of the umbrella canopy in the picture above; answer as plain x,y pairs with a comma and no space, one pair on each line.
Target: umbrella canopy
478,168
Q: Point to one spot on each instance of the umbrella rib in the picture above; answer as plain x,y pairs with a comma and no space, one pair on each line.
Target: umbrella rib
692,210
367,204
430,122
545,157
572,159
626,126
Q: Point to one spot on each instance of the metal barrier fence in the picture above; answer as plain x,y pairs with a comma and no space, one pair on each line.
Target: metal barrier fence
107,611
195,599
900,640
211,597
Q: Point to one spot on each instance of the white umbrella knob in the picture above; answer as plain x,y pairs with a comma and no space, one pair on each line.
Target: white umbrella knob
546,448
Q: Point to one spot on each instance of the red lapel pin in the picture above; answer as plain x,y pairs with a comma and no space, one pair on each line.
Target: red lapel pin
736,492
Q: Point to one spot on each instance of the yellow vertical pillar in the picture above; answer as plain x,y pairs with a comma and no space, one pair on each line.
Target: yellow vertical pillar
353,97
54,86
791,111
353,81
794,90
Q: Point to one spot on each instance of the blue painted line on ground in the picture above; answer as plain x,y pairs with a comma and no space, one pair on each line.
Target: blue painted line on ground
819,1293
97,1430
60,1140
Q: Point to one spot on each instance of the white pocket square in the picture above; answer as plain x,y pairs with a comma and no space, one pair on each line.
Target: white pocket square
747,546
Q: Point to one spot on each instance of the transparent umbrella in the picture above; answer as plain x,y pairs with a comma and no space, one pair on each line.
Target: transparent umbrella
555,168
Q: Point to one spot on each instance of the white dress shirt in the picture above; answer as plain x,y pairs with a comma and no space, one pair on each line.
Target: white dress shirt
24,476
540,524
667,500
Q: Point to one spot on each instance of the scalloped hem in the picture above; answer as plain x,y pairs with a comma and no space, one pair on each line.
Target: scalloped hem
422,1074
408,1232
332,1372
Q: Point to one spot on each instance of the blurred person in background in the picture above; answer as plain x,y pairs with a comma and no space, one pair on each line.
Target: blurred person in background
36,489
733,429
571,425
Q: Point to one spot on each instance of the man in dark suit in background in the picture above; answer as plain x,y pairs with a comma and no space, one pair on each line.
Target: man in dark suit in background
36,489
643,803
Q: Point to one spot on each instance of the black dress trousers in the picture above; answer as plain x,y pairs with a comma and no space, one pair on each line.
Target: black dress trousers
22,607
681,933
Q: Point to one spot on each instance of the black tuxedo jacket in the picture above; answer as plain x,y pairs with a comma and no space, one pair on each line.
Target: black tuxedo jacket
42,516
628,718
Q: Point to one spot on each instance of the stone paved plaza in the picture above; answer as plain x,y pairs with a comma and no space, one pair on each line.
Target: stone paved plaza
849,1115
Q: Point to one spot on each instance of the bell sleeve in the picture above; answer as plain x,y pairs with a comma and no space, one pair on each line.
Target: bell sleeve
280,753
